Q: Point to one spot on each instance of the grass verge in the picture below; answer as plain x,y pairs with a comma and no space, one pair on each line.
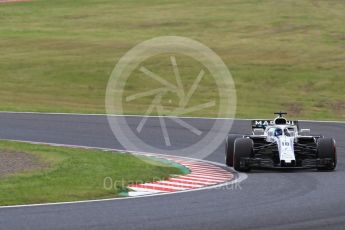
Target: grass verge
57,55
76,174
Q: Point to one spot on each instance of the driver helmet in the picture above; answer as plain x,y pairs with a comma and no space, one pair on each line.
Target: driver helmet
278,132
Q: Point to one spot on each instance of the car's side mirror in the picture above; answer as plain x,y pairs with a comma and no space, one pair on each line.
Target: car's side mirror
258,132
304,132
291,133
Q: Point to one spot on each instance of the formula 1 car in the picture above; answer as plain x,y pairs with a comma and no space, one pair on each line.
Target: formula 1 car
280,143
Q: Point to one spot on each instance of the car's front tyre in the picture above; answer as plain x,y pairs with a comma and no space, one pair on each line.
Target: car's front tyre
243,149
229,149
326,149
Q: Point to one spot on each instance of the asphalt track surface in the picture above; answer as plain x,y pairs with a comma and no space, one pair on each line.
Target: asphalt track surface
266,200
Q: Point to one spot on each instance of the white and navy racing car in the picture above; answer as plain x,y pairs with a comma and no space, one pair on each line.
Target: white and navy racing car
280,143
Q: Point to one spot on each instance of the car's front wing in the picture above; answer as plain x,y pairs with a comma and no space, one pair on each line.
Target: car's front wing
269,163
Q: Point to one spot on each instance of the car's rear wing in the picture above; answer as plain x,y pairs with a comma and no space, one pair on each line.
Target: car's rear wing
262,124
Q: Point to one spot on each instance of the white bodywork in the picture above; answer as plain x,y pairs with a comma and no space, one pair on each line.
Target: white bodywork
286,148
285,141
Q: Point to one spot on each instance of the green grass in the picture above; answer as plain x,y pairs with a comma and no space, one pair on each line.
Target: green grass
57,55
77,174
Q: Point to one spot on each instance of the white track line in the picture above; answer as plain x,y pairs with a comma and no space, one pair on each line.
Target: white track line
138,115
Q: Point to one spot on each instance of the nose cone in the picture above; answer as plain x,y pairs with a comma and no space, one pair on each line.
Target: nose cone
287,153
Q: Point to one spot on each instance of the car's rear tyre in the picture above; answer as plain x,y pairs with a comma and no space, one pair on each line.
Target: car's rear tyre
229,149
326,148
243,149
